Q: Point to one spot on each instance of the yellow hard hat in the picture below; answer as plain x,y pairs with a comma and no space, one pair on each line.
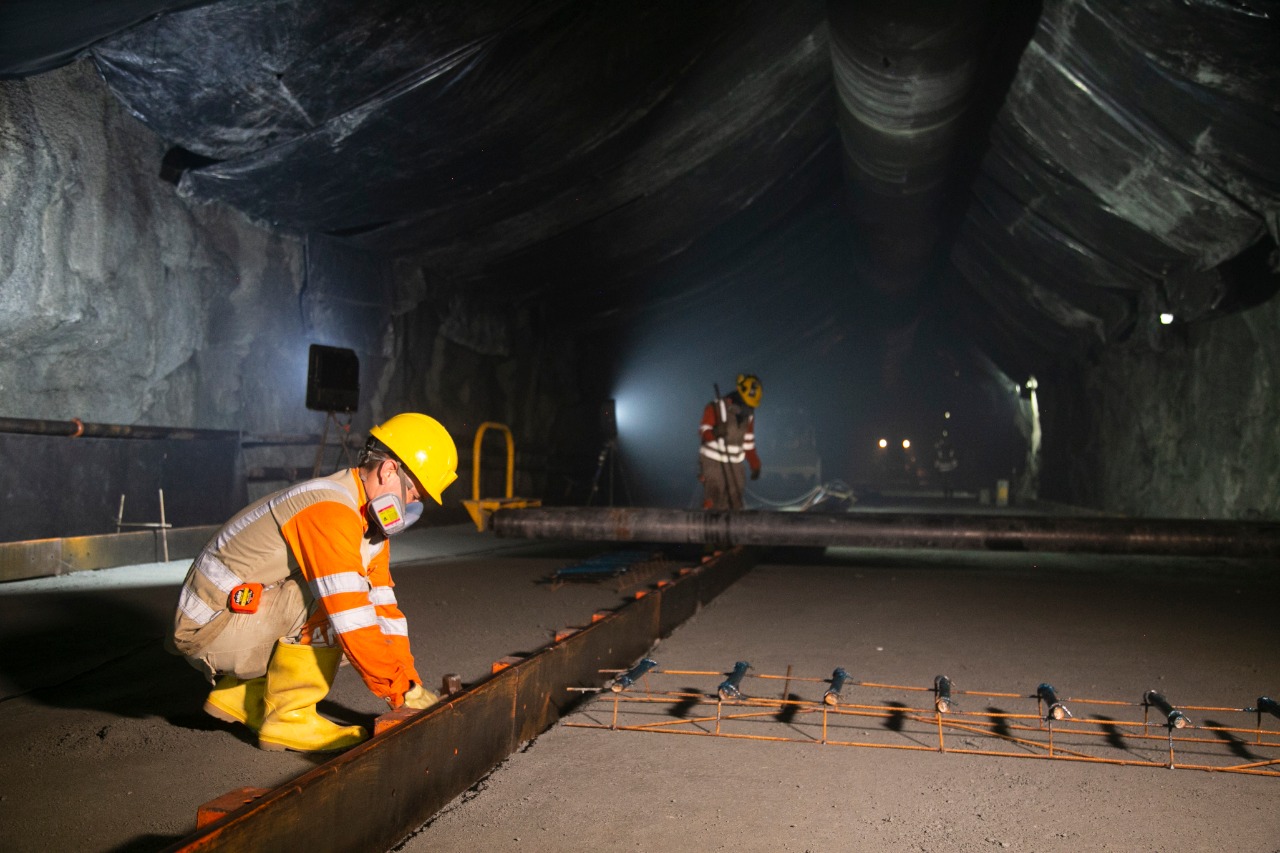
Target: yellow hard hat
750,389
424,446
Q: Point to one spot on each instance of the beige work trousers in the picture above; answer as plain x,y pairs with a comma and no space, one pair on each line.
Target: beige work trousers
244,645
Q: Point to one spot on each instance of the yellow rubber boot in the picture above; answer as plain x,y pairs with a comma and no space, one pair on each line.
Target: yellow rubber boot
235,701
299,677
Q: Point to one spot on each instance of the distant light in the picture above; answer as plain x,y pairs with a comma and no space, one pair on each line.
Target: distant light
1166,319
946,415
883,443
1032,384
906,443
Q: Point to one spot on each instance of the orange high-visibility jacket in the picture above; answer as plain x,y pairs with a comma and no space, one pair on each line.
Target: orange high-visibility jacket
739,442
314,532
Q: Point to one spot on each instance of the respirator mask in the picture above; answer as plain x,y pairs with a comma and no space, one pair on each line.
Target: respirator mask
390,513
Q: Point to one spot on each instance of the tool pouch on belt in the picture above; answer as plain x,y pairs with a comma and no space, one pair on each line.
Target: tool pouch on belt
245,598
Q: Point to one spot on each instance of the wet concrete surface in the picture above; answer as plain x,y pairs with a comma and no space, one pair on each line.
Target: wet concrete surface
109,749
1097,629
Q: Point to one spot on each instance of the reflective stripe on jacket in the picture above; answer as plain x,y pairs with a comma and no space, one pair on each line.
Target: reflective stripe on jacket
316,532
739,442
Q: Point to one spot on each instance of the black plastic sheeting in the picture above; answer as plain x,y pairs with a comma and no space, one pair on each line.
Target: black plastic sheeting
40,35
386,111
1112,129
532,150
55,486
905,74
1071,165
1132,157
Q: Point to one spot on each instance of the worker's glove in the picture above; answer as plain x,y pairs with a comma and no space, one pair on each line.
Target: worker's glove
755,473
719,431
419,697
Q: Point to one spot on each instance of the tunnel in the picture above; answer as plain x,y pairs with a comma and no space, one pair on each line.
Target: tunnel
931,343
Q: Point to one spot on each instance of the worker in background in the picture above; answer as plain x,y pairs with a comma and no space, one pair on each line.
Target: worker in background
728,435
300,578
945,463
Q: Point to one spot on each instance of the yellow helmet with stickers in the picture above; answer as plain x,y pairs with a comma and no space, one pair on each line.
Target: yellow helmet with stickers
750,389
424,446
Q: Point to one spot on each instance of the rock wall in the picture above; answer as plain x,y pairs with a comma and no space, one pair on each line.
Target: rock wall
469,360
1177,423
122,302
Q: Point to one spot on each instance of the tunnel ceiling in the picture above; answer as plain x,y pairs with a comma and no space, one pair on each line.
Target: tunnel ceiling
1041,179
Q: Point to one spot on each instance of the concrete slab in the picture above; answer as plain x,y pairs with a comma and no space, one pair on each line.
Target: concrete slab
1095,628
108,748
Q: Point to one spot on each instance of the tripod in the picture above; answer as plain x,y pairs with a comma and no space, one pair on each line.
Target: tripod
608,458
344,435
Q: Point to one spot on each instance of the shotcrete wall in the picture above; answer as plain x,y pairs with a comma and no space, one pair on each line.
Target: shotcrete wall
1177,423
121,302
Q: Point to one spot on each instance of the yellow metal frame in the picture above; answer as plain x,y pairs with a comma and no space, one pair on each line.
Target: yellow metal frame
481,508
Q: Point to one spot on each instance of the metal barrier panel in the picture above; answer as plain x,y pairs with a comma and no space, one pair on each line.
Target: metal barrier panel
81,553
680,602
201,479
730,566
48,557
36,559
369,797
612,643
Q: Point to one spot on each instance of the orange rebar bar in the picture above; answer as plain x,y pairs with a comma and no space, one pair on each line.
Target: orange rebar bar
808,706
1244,769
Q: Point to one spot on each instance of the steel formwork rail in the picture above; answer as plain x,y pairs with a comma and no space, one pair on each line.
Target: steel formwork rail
371,796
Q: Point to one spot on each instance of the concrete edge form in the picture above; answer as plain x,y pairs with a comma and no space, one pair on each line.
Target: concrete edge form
372,796
40,558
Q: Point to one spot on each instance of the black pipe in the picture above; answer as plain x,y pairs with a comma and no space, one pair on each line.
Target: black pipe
942,694
1174,718
1099,535
730,688
76,428
1054,709
838,678
631,676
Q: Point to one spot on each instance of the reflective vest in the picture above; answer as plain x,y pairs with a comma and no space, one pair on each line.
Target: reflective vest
314,532
739,442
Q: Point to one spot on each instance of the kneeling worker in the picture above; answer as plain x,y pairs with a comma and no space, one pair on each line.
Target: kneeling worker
303,576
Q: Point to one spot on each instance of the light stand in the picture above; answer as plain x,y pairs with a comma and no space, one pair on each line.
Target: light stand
344,443
333,386
608,454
